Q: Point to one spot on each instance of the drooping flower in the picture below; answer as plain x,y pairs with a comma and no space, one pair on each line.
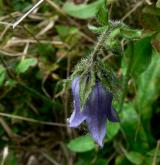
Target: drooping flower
96,111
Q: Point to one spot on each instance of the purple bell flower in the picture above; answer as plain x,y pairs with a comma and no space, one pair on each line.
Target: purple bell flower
96,111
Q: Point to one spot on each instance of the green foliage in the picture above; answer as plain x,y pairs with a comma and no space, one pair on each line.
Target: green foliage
148,92
158,4
135,157
81,144
102,15
97,30
112,130
140,51
83,11
24,64
129,33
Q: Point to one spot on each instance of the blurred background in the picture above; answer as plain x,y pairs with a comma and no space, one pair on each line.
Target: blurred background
42,51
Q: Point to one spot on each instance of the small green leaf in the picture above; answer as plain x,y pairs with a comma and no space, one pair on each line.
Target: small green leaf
81,144
65,31
86,84
130,33
134,157
24,65
102,15
2,75
112,130
62,30
83,11
10,83
95,29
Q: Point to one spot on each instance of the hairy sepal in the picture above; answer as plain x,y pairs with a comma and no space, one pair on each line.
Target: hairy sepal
87,82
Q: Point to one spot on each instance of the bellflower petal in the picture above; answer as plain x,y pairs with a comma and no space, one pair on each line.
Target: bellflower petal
96,111
77,117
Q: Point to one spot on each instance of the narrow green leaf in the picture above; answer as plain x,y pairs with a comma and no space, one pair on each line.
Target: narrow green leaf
135,157
148,92
24,65
81,144
133,129
148,84
83,11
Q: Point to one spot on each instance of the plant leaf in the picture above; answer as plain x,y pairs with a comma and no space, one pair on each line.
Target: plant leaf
134,157
141,56
112,130
95,29
148,84
83,11
81,144
24,65
158,3
148,92
130,33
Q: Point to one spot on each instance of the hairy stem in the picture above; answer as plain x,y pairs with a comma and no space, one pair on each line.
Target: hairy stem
101,41
99,44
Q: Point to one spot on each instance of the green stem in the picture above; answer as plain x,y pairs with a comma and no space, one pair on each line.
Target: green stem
101,41
99,44
126,78
31,120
